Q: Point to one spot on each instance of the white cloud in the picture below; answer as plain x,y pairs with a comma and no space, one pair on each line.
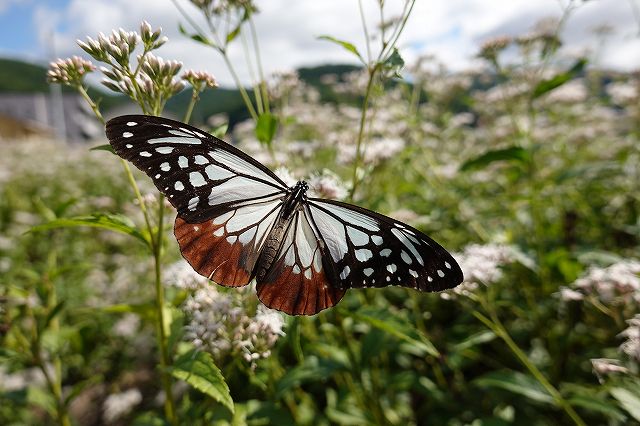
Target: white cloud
450,29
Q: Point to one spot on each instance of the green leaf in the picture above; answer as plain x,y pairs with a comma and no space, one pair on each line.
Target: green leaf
349,46
474,340
312,369
266,128
52,314
397,327
144,310
196,37
593,403
393,64
220,131
112,222
629,400
106,147
559,79
198,369
516,382
233,34
512,153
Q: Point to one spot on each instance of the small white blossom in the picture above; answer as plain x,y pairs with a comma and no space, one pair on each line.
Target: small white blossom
632,345
182,275
481,265
605,366
120,404
327,185
127,326
618,283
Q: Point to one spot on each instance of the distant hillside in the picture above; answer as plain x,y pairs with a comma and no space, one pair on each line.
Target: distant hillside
22,77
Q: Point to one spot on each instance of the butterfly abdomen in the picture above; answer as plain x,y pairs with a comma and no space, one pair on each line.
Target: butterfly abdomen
271,248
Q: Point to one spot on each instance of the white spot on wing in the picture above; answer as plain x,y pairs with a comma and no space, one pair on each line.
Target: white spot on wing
307,273
358,238
165,150
223,218
193,203
377,239
217,173
129,145
231,239
363,255
183,162
201,159
385,252
440,273
176,140
296,269
196,179
447,265
345,272
127,134
178,185
413,273
405,256
392,268
145,154
368,271
219,232
165,167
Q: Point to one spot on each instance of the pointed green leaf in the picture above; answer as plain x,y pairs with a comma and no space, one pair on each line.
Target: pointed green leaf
629,400
349,46
112,222
559,79
106,147
516,382
266,128
197,37
198,369
233,34
397,327
512,153
220,131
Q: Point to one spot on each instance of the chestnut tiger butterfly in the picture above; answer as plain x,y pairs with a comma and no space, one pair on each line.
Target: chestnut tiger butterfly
237,221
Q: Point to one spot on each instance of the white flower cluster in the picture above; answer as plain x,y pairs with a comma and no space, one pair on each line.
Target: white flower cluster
618,283
481,265
120,404
220,323
631,346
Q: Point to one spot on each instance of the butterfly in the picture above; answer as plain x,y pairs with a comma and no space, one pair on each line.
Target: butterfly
237,221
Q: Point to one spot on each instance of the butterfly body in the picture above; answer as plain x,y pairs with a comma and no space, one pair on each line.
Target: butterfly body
237,221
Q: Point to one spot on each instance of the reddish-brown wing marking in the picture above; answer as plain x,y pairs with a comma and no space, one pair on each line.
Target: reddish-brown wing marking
225,248
299,280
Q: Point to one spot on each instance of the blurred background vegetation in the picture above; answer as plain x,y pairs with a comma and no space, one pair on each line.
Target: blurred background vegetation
528,168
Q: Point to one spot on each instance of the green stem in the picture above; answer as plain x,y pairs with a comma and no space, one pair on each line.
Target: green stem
498,328
192,103
256,48
243,92
363,119
165,359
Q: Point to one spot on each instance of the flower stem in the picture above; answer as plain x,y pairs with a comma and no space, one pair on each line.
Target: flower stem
165,359
363,119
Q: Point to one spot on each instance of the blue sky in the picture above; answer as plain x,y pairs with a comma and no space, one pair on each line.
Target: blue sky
452,30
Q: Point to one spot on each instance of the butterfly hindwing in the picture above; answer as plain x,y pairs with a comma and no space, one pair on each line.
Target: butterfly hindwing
372,250
225,248
202,176
299,280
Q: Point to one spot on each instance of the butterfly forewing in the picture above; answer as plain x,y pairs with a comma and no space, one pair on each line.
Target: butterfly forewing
372,250
202,176
300,278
